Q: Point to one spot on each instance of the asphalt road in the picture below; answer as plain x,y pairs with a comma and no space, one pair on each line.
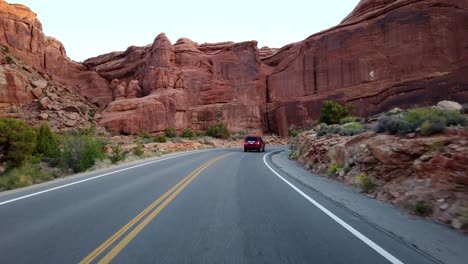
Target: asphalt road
220,206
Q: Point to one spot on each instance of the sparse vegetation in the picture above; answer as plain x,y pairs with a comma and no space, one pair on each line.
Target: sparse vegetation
349,129
47,142
188,133
26,174
9,59
81,150
332,112
334,167
349,119
170,132
138,150
219,130
293,131
423,208
145,135
364,183
17,141
160,139
292,155
427,120
117,154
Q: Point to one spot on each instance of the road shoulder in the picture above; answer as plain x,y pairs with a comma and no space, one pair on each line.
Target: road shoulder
444,244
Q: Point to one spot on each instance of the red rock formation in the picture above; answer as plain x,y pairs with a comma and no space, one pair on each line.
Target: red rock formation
386,53
186,85
21,33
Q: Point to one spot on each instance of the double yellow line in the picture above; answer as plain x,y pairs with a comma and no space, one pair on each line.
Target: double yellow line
155,208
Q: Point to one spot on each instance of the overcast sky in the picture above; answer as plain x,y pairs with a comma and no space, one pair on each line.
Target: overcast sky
89,28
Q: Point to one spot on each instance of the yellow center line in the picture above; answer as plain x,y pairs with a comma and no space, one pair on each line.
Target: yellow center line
172,193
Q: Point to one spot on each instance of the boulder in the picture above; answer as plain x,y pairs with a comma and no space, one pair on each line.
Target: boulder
449,105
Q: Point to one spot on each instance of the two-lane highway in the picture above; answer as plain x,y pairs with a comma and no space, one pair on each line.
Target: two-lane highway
219,206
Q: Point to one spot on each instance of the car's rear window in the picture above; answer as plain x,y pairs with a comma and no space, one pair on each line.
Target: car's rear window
250,139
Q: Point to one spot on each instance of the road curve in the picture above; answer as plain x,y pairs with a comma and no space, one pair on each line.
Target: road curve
217,206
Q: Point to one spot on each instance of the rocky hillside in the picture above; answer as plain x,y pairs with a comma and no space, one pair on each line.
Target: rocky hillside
425,174
384,54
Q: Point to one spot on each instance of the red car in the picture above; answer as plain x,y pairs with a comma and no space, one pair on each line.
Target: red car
254,143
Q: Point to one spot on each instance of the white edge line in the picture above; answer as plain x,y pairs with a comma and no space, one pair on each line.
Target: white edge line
89,179
353,231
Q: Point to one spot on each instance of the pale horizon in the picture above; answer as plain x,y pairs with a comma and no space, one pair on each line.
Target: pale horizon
92,28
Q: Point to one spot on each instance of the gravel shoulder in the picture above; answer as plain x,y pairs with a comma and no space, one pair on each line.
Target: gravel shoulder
436,240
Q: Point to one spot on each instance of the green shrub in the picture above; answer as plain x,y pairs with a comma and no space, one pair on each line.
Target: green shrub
422,208
394,125
293,131
145,135
292,155
433,125
347,169
324,129
188,133
138,150
364,183
47,142
351,129
80,151
349,119
332,112
17,141
219,130
170,132
334,167
5,49
25,175
116,154
160,139
9,59
429,120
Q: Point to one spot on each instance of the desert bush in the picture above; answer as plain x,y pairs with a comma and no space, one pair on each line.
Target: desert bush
116,153
332,112
170,132
80,151
17,141
188,133
26,174
393,125
422,208
428,120
294,131
349,119
351,129
160,139
324,129
433,125
347,169
47,143
138,150
334,167
145,135
292,155
219,130
364,183
9,59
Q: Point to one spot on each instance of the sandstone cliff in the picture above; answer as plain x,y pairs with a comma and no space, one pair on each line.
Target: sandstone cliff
386,53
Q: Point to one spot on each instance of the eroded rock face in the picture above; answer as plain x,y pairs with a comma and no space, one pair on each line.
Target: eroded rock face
386,53
21,35
185,85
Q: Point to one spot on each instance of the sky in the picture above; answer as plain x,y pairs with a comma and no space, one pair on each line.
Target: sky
89,28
